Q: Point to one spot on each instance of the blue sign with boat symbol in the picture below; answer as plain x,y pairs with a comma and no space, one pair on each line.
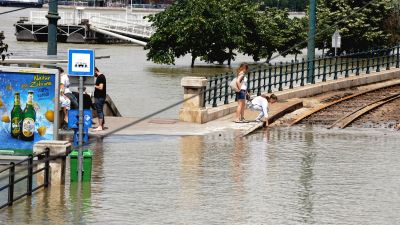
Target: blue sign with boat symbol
81,62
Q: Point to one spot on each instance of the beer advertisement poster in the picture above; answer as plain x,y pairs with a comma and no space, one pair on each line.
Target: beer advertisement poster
26,110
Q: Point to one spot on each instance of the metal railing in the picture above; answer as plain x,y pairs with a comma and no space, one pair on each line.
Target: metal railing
43,157
288,75
150,6
66,18
74,17
137,28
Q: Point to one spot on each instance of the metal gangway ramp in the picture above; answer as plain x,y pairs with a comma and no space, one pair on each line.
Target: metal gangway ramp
136,31
128,26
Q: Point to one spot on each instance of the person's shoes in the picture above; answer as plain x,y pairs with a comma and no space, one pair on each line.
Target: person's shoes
244,121
98,129
238,121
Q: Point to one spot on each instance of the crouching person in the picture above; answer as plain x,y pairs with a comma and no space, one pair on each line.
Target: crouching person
261,103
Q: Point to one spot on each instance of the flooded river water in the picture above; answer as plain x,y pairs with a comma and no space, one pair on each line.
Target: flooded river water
146,86
298,175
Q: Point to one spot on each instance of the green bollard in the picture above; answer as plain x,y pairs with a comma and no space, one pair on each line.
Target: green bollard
87,165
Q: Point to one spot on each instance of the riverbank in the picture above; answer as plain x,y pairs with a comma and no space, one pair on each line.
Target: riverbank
172,127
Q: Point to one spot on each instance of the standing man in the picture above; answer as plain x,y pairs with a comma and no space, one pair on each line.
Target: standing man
100,94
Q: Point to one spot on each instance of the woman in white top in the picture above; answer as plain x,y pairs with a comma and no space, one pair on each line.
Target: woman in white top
64,81
241,82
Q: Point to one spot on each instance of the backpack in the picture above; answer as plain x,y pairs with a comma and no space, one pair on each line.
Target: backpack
233,85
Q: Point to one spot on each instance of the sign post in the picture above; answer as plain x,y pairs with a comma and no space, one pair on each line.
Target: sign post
80,63
336,41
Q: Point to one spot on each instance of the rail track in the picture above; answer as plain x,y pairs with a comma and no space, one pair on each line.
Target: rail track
379,107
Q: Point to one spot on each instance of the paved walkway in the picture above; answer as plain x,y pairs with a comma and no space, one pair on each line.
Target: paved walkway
130,126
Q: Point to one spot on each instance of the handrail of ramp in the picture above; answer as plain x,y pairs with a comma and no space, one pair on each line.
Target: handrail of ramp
45,158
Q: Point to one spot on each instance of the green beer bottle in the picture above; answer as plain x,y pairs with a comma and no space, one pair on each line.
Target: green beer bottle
29,118
16,115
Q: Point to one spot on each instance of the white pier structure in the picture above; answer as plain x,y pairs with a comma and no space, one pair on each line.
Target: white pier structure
129,26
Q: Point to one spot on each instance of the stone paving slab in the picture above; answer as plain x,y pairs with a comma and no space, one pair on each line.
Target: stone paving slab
154,126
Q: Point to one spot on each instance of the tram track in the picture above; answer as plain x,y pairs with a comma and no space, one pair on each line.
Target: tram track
343,112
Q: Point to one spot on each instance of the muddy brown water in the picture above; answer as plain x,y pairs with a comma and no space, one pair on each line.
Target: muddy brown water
297,175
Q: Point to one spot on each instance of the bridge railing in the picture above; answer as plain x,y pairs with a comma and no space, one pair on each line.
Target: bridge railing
123,26
73,17
66,18
13,182
287,75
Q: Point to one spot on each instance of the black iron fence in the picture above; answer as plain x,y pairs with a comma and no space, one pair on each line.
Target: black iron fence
43,157
288,75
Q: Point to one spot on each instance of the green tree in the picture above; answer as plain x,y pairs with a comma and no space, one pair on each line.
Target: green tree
360,27
292,35
210,30
180,30
273,31
213,30
392,24
229,28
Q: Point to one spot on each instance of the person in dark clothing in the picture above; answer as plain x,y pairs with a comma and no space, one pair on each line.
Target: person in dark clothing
100,93
87,100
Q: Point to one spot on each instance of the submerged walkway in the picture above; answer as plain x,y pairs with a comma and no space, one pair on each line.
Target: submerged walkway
289,101
115,125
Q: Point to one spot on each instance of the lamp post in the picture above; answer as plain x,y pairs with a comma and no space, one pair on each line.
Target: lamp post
52,16
311,42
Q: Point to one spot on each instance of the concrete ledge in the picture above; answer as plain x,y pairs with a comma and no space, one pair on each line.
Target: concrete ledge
57,148
193,115
342,83
209,114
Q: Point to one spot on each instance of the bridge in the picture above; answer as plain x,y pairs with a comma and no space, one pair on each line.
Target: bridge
89,27
129,30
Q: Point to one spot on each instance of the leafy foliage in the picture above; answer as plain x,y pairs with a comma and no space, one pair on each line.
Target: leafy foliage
273,31
360,27
392,23
213,30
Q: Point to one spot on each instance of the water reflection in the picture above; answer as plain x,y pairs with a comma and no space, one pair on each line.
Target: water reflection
240,150
80,202
276,176
306,180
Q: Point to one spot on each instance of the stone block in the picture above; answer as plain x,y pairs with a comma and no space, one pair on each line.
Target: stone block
194,82
60,148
